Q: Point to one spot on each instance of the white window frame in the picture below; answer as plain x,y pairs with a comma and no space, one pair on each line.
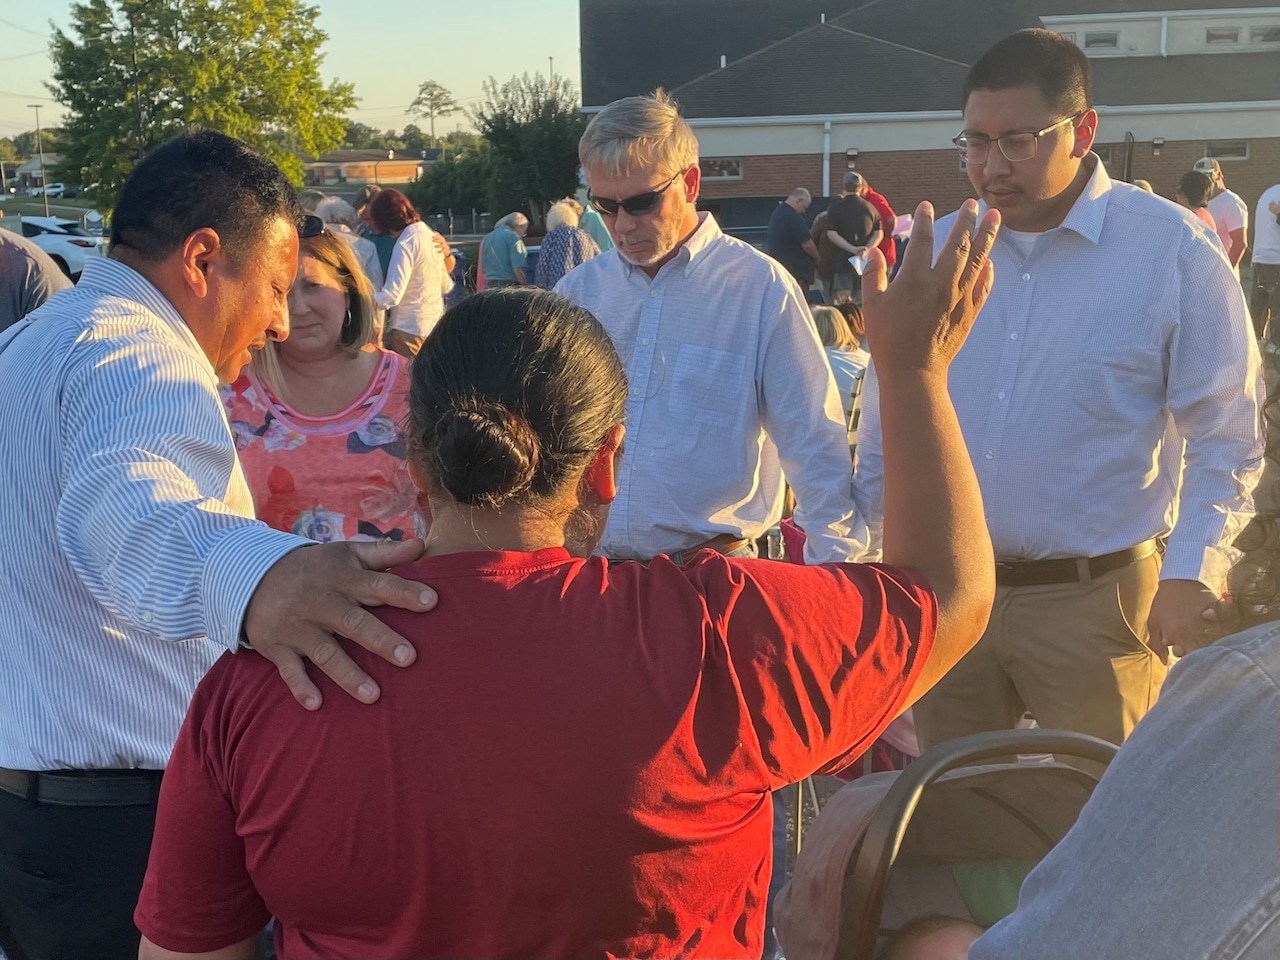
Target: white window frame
1222,41
1092,37
1263,29
717,178
1229,158
1106,152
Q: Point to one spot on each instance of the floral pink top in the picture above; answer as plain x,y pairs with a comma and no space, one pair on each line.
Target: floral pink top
341,477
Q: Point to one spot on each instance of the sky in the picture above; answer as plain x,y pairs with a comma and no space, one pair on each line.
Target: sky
385,47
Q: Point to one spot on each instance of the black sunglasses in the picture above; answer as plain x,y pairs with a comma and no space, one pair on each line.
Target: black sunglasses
638,205
311,226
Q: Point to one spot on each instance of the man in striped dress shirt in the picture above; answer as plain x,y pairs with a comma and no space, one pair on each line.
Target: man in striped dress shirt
1109,395
132,560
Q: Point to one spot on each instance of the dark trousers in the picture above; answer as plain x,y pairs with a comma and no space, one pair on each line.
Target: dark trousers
1264,304
70,878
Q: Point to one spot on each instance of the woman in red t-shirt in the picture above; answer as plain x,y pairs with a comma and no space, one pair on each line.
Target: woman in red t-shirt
580,763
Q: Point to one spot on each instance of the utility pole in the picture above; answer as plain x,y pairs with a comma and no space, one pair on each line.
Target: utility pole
44,183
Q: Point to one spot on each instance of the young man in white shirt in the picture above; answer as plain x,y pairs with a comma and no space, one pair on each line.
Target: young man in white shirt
1086,373
1229,212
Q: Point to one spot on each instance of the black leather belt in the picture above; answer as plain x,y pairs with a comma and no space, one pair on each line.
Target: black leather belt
1038,573
84,788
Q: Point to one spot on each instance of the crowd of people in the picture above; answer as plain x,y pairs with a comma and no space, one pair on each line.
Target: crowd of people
403,631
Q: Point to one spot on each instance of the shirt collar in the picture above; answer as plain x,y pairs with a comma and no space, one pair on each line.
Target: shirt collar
1090,209
113,278
693,251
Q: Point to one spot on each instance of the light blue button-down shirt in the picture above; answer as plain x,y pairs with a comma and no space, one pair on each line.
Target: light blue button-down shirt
1120,334
730,389
131,552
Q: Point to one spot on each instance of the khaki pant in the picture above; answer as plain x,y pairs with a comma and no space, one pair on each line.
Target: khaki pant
405,344
1074,655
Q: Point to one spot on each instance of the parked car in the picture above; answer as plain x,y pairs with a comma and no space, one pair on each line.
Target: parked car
52,190
65,241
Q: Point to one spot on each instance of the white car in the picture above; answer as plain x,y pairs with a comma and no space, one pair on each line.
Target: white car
65,241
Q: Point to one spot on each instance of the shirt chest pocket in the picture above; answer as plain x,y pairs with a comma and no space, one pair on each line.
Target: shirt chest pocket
1119,361
709,386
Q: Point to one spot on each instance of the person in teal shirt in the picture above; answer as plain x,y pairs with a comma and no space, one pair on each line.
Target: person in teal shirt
502,255
593,223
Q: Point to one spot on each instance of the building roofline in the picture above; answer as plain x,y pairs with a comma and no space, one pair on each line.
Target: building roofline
1205,14
922,115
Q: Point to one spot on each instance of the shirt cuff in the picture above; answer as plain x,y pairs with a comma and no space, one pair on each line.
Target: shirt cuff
232,572
1194,561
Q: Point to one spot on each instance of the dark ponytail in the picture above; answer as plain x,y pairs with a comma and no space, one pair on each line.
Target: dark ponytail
513,393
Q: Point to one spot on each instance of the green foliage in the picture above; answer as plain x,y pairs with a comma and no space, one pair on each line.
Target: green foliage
457,182
532,125
132,73
23,145
434,100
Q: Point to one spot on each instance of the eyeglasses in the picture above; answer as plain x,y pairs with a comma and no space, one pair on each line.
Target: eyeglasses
636,206
1016,147
311,226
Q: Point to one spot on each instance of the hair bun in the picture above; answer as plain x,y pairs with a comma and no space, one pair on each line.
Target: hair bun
487,454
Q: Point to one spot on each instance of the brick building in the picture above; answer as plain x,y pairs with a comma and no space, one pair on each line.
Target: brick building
785,93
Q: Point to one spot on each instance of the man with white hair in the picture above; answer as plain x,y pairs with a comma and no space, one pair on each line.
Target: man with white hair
502,255
729,385
788,239
1230,213
341,219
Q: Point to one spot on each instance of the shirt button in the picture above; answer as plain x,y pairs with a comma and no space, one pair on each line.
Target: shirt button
1026,276
1000,395
146,617
1013,336
990,454
653,293
645,341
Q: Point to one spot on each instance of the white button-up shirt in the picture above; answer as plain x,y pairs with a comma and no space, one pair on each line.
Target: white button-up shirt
729,390
416,283
1121,333
131,552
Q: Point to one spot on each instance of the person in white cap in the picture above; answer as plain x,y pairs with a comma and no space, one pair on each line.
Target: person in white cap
1229,212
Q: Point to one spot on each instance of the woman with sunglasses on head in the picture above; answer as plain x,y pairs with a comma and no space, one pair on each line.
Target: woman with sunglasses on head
640,713
317,417
418,276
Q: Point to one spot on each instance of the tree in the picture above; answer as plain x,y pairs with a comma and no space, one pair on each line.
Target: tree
434,100
458,183
132,73
532,126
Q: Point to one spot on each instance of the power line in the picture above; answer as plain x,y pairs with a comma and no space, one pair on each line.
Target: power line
10,23
19,56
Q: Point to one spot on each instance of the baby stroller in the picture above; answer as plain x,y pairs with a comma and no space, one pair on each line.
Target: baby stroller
943,837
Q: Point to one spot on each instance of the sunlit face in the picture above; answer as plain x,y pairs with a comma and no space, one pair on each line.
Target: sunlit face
648,238
1021,191
318,306
252,301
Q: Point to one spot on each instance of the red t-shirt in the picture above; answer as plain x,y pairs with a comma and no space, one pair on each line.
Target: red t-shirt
887,219
578,765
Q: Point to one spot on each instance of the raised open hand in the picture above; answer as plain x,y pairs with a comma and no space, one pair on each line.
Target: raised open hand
921,319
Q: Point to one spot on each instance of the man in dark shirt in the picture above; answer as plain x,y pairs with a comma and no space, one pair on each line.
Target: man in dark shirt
852,228
788,240
28,277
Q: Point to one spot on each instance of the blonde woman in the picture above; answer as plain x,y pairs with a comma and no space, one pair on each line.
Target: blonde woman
848,361
317,418
564,247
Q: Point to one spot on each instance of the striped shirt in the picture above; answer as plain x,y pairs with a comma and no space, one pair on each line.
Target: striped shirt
1114,338
132,552
730,389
